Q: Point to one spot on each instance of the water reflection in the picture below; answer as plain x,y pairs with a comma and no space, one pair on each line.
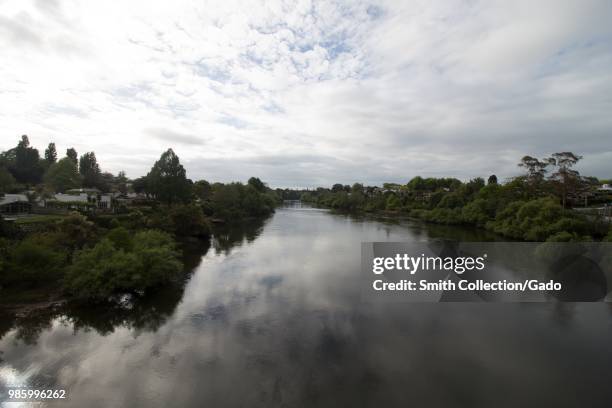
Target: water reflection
273,317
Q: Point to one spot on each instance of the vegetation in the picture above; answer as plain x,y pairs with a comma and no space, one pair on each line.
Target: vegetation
120,264
532,207
132,248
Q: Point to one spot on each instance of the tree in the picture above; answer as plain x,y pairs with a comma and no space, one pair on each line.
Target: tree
26,168
189,221
63,175
90,170
167,179
416,184
121,180
566,179
492,179
51,154
337,188
141,185
202,189
72,155
536,170
257,184
7,181
77,230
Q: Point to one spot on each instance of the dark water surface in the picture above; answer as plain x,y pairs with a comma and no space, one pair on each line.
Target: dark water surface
272,317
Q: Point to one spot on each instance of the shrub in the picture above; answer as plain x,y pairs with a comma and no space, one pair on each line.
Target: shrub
120,238
103,270
32,262
189,220
78,230
393,202
475,213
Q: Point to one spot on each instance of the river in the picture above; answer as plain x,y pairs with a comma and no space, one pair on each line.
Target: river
271,316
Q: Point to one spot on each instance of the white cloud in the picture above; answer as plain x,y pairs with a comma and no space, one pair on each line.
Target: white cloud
302,93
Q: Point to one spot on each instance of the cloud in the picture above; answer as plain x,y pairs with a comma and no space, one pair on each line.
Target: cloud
308,92
172,137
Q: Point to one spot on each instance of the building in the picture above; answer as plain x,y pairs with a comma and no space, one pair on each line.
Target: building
15,204
605,188
82,200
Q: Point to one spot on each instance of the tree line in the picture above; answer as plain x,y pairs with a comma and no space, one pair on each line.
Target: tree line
534,206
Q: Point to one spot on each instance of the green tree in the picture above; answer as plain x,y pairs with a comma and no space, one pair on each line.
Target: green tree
90,170
566,179
121,238
51,154
72,155
77,230
393,202
121,181
63,175
30,262
101,271
189,221
336,188
7,181
257,184
534,180
167,179
141,185
202,189
26,168
492,179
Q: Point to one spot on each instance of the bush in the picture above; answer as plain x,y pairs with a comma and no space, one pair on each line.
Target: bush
475,213
78,230
393,203
189,220
121,239
103,270
31,261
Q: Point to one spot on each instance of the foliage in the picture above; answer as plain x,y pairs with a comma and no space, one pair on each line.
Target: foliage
189,220
51,154
121,238
529,207
32,261
63,175
78,230
103,270
257,184
24,163
90,170
202,189
7,181
167,179
236,201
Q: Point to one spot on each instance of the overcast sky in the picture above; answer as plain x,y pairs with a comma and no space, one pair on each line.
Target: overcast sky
311,93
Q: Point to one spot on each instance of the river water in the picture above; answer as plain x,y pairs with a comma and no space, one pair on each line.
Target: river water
271,316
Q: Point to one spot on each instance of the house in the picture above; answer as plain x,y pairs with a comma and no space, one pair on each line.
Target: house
83,199
15,204
605,188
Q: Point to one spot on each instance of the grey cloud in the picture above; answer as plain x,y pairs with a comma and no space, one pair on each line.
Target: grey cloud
18,32
173,137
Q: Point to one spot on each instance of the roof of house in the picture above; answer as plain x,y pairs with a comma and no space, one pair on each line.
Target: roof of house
13,198
66,198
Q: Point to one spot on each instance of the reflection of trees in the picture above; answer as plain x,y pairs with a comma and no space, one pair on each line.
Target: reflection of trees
227,236
30,325
141,313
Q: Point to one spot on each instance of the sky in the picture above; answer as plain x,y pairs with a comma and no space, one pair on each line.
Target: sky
307,93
